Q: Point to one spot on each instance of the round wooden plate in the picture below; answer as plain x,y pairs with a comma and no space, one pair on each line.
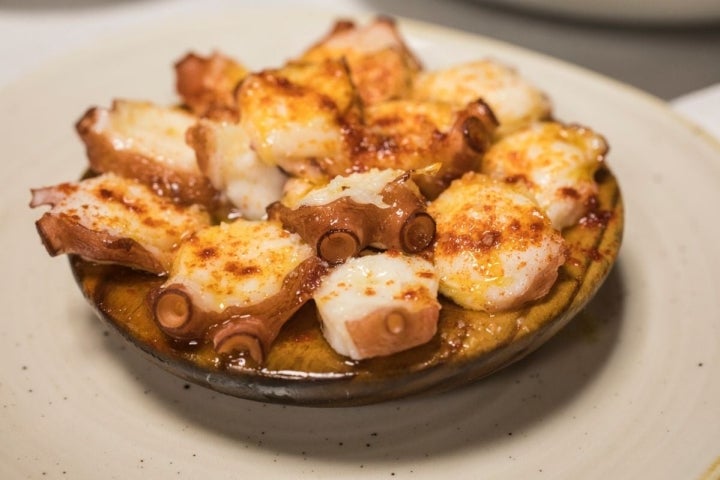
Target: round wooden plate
302,369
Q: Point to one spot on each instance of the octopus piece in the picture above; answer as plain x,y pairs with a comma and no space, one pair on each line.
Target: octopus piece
379,208
224,155
112,219
236,284
412,135
377,305
556,163
207,84
147,142
304,119
296,117
515,102
381,64
495,249
330,78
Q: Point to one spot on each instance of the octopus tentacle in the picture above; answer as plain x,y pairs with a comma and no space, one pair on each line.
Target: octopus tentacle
379,304
117,220
412,135
146,142
339,223
516,102
381,64
61,234
207,83
556,163
220,290
495,249
237,328
225,156
255,328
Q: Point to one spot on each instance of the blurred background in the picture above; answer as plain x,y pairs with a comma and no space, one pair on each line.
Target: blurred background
663,54
668,48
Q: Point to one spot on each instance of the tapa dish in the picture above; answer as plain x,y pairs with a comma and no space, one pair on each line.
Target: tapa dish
294,362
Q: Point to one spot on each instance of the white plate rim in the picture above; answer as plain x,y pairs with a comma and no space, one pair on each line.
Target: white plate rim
328,460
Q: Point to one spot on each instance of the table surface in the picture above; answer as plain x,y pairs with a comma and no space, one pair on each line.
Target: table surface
665,61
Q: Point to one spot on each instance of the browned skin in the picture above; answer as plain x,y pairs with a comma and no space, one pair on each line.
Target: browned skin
390,139
237,329
337,245
61,234
343,228
379,76
458,150
262,89
181,186
207,84
393,330
201,139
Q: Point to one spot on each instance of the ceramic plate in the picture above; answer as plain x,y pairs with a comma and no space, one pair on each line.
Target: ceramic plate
628,390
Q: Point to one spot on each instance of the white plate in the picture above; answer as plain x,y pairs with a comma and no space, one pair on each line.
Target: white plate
629,390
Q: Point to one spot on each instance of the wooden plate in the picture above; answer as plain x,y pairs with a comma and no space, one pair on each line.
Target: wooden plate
302,369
